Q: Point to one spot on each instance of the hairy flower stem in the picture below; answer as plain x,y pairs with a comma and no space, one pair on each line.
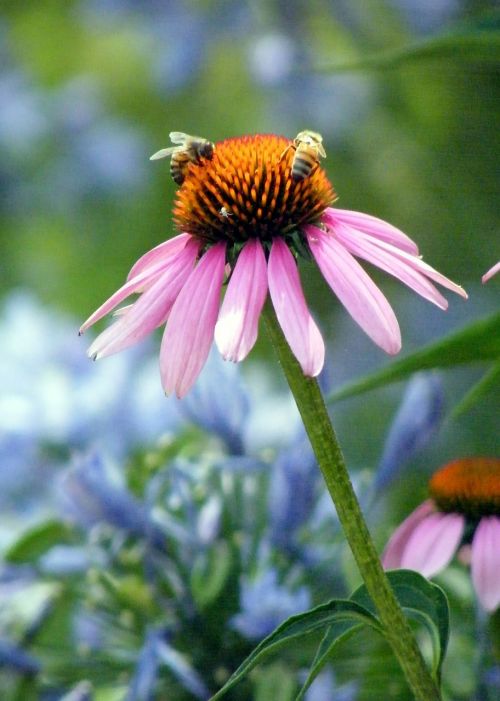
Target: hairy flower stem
312,408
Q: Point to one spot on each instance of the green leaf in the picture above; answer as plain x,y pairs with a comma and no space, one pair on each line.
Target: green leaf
37,540
209,573
297,627
421,600
276,683
340,630
489,380
475,343
474,42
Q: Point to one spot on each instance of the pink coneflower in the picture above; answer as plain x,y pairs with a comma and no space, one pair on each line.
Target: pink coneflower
245,221
492,271
464,508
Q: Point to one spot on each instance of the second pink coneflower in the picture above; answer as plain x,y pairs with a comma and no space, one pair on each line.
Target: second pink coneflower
463,509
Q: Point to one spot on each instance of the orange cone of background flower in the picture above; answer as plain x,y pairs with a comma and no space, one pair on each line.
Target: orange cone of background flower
245,220
465,497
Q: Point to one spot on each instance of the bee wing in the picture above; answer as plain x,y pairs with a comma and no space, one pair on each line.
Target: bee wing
178,137
321,150
163,153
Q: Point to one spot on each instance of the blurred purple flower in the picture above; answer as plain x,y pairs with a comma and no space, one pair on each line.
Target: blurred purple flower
325,688
182,38
142,685
51,394
14,658
209,520
219,402
292,491
93,494
182,670
265,604
417,419
81,692
272,58
64,560
24,120
89,630
428,16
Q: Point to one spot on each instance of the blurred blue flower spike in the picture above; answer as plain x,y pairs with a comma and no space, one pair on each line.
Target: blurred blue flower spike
265,604
64,560
292,491
272,58
182,670
182,40
81,692
325,688
93,494
14,658
209,519
142,686
219,403
23,119
416,420
51,393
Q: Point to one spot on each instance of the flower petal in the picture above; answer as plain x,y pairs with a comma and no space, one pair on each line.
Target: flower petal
433,543
378,228
492,271
301,332
238,323
190,328
418,264
393,553
151,309
485,566
134,285
357,292
363,247
160,253
144,277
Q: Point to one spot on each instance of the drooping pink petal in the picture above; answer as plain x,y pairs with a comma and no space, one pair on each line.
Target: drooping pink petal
492,271
485,565
190,327
134,285
355,289
160,253
238,323
139,282
433,543
362,247
393,553
149,311
378,228
419,265
301,332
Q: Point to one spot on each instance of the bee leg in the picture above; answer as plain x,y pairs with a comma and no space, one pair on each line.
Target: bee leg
283,152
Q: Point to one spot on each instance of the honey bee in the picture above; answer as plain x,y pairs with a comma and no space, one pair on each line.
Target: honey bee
187,149
308,147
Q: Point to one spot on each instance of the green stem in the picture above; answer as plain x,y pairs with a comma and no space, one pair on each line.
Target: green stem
317,423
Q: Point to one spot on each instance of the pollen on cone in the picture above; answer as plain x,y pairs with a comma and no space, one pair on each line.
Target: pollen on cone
469,485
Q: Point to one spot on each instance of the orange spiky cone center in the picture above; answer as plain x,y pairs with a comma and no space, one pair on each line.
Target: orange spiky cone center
470,486
246,191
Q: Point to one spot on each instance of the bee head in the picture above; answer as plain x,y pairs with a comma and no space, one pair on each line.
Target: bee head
206,149
308,137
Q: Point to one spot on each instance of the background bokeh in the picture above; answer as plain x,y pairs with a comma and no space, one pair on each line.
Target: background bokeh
405,93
